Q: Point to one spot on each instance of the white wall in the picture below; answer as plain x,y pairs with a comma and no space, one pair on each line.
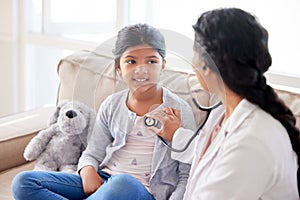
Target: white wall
8,55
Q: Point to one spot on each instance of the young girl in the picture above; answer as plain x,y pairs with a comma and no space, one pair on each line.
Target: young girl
123,159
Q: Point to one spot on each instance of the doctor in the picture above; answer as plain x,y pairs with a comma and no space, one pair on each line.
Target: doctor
250,150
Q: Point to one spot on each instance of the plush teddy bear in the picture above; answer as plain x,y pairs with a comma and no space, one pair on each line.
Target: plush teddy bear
58,147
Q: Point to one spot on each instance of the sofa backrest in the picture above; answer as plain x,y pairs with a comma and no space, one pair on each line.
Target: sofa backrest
89,77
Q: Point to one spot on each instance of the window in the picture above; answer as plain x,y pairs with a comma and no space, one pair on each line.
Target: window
85,20
77,16
77,19
280,18
58,27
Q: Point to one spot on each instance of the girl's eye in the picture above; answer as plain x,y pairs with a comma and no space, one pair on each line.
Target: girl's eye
152,62
130,61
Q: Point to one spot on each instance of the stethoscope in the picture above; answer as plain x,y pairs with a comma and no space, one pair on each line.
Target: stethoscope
153,122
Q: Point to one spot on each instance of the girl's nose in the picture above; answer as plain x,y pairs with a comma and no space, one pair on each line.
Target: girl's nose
140,70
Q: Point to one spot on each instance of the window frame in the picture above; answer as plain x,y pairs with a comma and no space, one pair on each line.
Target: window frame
280,80
50,27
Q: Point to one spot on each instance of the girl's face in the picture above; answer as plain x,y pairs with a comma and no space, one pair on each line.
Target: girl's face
141,66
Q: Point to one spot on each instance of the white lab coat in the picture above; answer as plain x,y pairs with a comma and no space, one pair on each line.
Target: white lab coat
250,158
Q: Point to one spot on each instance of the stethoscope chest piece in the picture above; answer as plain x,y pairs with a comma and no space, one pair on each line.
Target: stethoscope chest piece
152,122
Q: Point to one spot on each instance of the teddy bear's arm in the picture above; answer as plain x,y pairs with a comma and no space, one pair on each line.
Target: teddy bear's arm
38,144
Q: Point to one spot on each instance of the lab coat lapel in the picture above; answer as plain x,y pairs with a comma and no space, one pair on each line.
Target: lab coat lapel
242,111
213,148
239,115
213,119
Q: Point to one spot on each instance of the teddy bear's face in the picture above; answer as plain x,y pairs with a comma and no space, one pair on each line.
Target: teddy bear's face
73,118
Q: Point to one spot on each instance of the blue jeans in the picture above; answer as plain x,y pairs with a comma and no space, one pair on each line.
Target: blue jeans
37,185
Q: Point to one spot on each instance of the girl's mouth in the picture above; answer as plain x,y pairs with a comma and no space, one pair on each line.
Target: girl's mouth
140,79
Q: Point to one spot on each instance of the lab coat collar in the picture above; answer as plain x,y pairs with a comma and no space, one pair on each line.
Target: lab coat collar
240,113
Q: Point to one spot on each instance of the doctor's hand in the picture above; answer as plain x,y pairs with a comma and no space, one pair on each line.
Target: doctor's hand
171,121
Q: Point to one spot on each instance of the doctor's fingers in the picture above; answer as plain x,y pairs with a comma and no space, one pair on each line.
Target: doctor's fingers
172,112
160,115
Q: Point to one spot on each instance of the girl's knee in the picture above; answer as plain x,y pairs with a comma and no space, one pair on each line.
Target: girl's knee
20,183
122,186
123,179
125,184
20,179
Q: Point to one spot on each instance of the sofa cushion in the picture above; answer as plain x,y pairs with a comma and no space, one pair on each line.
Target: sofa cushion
6,178
16,131
292,100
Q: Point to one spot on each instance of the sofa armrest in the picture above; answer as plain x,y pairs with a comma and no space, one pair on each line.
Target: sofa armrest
17,130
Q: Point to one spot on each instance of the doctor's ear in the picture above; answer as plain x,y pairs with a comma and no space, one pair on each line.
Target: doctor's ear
206,70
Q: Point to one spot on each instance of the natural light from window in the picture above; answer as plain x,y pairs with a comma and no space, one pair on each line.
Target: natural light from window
96,19
54,27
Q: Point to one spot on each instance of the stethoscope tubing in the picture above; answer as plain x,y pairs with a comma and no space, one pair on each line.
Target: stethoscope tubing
208,111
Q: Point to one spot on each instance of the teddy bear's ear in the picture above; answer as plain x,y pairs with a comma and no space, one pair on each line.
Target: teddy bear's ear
53,118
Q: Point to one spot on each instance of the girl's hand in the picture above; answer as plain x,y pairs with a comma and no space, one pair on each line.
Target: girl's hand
91,181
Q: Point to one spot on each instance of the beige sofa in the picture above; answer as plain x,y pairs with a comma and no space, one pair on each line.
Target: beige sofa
89,77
